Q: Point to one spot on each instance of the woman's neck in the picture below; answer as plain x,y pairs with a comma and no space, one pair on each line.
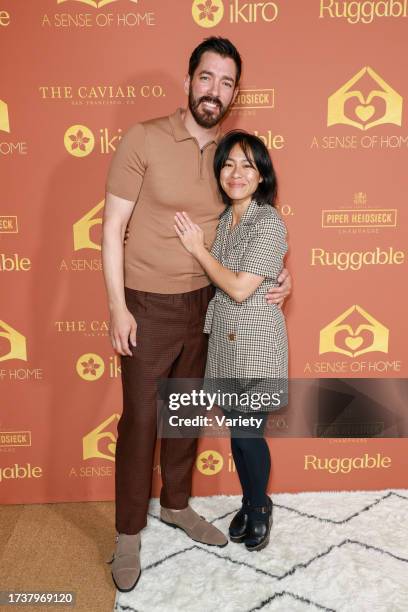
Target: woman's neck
239,208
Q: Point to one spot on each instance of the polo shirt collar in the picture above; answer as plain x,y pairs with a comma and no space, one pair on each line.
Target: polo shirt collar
180,131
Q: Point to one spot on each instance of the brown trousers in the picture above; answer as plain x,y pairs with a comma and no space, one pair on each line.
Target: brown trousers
170,343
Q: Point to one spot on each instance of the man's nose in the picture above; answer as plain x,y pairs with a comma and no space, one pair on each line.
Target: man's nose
215,88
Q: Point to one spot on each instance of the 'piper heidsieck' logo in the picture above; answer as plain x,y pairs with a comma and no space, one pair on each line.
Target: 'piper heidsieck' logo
18,344
100,443
82,229
4,117
349,106
353,333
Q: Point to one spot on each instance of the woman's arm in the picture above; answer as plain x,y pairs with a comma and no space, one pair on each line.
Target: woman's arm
238,285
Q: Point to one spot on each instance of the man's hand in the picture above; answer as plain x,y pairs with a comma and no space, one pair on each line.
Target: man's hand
277,295
123,328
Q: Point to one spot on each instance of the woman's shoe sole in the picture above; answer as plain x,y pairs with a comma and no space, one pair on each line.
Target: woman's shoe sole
237,539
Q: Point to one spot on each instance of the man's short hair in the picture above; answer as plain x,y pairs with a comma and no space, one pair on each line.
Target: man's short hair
216,44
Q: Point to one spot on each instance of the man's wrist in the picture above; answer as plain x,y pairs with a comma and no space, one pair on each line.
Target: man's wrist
117,306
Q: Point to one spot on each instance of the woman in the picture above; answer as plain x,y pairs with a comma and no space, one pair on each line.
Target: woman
248,341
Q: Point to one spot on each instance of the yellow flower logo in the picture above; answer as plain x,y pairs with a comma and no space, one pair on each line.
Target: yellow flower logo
207,13
79,140
90,366
209,462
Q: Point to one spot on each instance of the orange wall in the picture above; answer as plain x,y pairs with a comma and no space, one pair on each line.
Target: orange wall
75,75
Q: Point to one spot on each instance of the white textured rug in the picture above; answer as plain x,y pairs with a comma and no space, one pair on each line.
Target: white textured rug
344,551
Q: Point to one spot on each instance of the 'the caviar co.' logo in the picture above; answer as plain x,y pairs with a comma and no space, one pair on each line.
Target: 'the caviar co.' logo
209,462
209,13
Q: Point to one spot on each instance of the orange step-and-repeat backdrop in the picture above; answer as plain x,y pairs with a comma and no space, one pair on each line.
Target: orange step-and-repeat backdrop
325,87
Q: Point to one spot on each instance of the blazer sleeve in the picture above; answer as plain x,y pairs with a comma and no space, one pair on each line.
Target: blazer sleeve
217,244
266,248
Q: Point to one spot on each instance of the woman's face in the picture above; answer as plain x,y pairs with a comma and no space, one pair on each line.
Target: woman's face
239,176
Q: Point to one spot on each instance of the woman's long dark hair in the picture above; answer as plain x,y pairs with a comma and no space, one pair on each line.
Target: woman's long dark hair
267,189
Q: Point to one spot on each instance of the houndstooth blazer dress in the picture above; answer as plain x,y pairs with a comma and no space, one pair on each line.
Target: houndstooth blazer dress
248,340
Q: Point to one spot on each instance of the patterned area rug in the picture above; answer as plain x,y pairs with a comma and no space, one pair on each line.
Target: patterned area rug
341,551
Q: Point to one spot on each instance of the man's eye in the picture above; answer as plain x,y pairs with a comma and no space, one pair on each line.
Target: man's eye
228,84
204,78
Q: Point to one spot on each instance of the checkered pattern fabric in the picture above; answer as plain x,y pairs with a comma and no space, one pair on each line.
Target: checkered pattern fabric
248,340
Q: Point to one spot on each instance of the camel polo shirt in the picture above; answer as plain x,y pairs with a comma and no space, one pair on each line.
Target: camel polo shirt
160,166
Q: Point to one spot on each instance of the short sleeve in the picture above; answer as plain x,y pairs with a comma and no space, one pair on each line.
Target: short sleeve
266,249
128,166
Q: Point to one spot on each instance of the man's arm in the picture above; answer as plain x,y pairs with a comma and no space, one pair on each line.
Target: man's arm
123,326
277,295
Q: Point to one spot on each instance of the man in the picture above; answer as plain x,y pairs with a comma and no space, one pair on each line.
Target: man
158,294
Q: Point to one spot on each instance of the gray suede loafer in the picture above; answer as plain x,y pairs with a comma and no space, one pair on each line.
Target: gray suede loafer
194,525
125,563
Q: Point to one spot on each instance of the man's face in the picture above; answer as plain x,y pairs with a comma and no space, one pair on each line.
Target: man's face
212,89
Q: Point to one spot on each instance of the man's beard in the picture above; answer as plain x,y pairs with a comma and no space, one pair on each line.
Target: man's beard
206,118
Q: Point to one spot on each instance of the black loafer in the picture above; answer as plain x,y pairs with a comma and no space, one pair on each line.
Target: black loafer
238,526
259,527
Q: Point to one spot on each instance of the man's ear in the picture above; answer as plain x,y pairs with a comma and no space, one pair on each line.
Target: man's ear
187,82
